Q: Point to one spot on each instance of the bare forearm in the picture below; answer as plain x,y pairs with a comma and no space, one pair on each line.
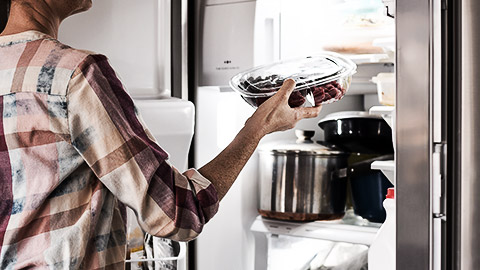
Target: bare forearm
224,168
273,115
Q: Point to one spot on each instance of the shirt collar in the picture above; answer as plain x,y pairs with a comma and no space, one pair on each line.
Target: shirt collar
22,37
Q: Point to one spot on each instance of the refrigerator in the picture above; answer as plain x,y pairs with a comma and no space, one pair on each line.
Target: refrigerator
146,43
437,120
435,128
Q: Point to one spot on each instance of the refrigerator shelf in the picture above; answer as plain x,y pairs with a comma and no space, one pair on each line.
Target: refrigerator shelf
387,112
387,167
338,231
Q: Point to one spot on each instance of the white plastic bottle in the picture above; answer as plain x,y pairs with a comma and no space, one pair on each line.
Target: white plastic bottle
381,255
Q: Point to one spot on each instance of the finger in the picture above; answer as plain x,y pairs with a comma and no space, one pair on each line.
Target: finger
287,88
311,112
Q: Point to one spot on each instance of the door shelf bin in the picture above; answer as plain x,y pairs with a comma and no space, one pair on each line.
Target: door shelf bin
387,167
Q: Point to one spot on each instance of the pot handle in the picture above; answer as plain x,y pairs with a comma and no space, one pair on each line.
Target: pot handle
340,173
304,135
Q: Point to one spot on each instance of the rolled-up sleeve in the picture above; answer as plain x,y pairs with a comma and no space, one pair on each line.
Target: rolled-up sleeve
108,133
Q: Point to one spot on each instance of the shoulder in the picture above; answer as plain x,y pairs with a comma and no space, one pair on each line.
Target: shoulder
94,74
42,64
75,61
71,67
92,65
54,64
51,53
96,71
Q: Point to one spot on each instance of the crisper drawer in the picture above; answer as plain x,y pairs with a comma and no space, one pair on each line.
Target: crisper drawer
296,253
313,245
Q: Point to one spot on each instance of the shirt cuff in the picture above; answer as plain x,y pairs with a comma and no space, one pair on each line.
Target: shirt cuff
206,193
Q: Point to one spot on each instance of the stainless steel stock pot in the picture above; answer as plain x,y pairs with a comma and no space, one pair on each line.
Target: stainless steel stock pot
301,181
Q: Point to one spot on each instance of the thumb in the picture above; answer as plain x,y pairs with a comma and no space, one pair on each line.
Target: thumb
287,88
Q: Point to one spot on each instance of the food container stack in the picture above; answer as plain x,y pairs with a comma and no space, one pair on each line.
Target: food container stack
385,88
386,81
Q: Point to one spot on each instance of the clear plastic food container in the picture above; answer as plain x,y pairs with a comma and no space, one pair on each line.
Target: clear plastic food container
320,79
385,88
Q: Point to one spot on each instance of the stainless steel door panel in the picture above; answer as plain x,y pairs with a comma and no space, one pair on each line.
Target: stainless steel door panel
470,133
413,125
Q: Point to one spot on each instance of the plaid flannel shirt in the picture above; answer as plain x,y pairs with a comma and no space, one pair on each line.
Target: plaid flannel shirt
73,154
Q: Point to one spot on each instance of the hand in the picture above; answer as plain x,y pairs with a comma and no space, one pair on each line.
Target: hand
276,115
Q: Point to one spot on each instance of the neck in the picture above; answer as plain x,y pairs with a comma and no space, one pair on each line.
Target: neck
24,17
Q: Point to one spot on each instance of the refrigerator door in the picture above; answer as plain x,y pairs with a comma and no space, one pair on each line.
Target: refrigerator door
417,90
146,43
220,115
437,136
227,44
467,233
136,37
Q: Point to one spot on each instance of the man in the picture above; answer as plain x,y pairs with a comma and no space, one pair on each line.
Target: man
74,153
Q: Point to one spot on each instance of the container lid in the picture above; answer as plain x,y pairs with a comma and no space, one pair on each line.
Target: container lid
265,81
304,145
349,115
391,193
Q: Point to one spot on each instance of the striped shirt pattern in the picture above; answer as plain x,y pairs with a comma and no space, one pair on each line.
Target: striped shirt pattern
73,154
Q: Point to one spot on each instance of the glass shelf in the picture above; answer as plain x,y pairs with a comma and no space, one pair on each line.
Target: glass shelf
350,229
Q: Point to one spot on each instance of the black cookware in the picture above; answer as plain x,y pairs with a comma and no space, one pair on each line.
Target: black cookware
358,132
368,189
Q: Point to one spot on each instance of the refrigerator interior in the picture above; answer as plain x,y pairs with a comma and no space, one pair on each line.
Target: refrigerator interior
289,252
220,115
270,31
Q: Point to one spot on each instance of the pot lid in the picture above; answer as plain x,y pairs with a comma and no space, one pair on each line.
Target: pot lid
349,115
303,145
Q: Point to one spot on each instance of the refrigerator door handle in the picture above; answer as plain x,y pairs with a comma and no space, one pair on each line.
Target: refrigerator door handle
437,243
272,29
438,181
438,204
